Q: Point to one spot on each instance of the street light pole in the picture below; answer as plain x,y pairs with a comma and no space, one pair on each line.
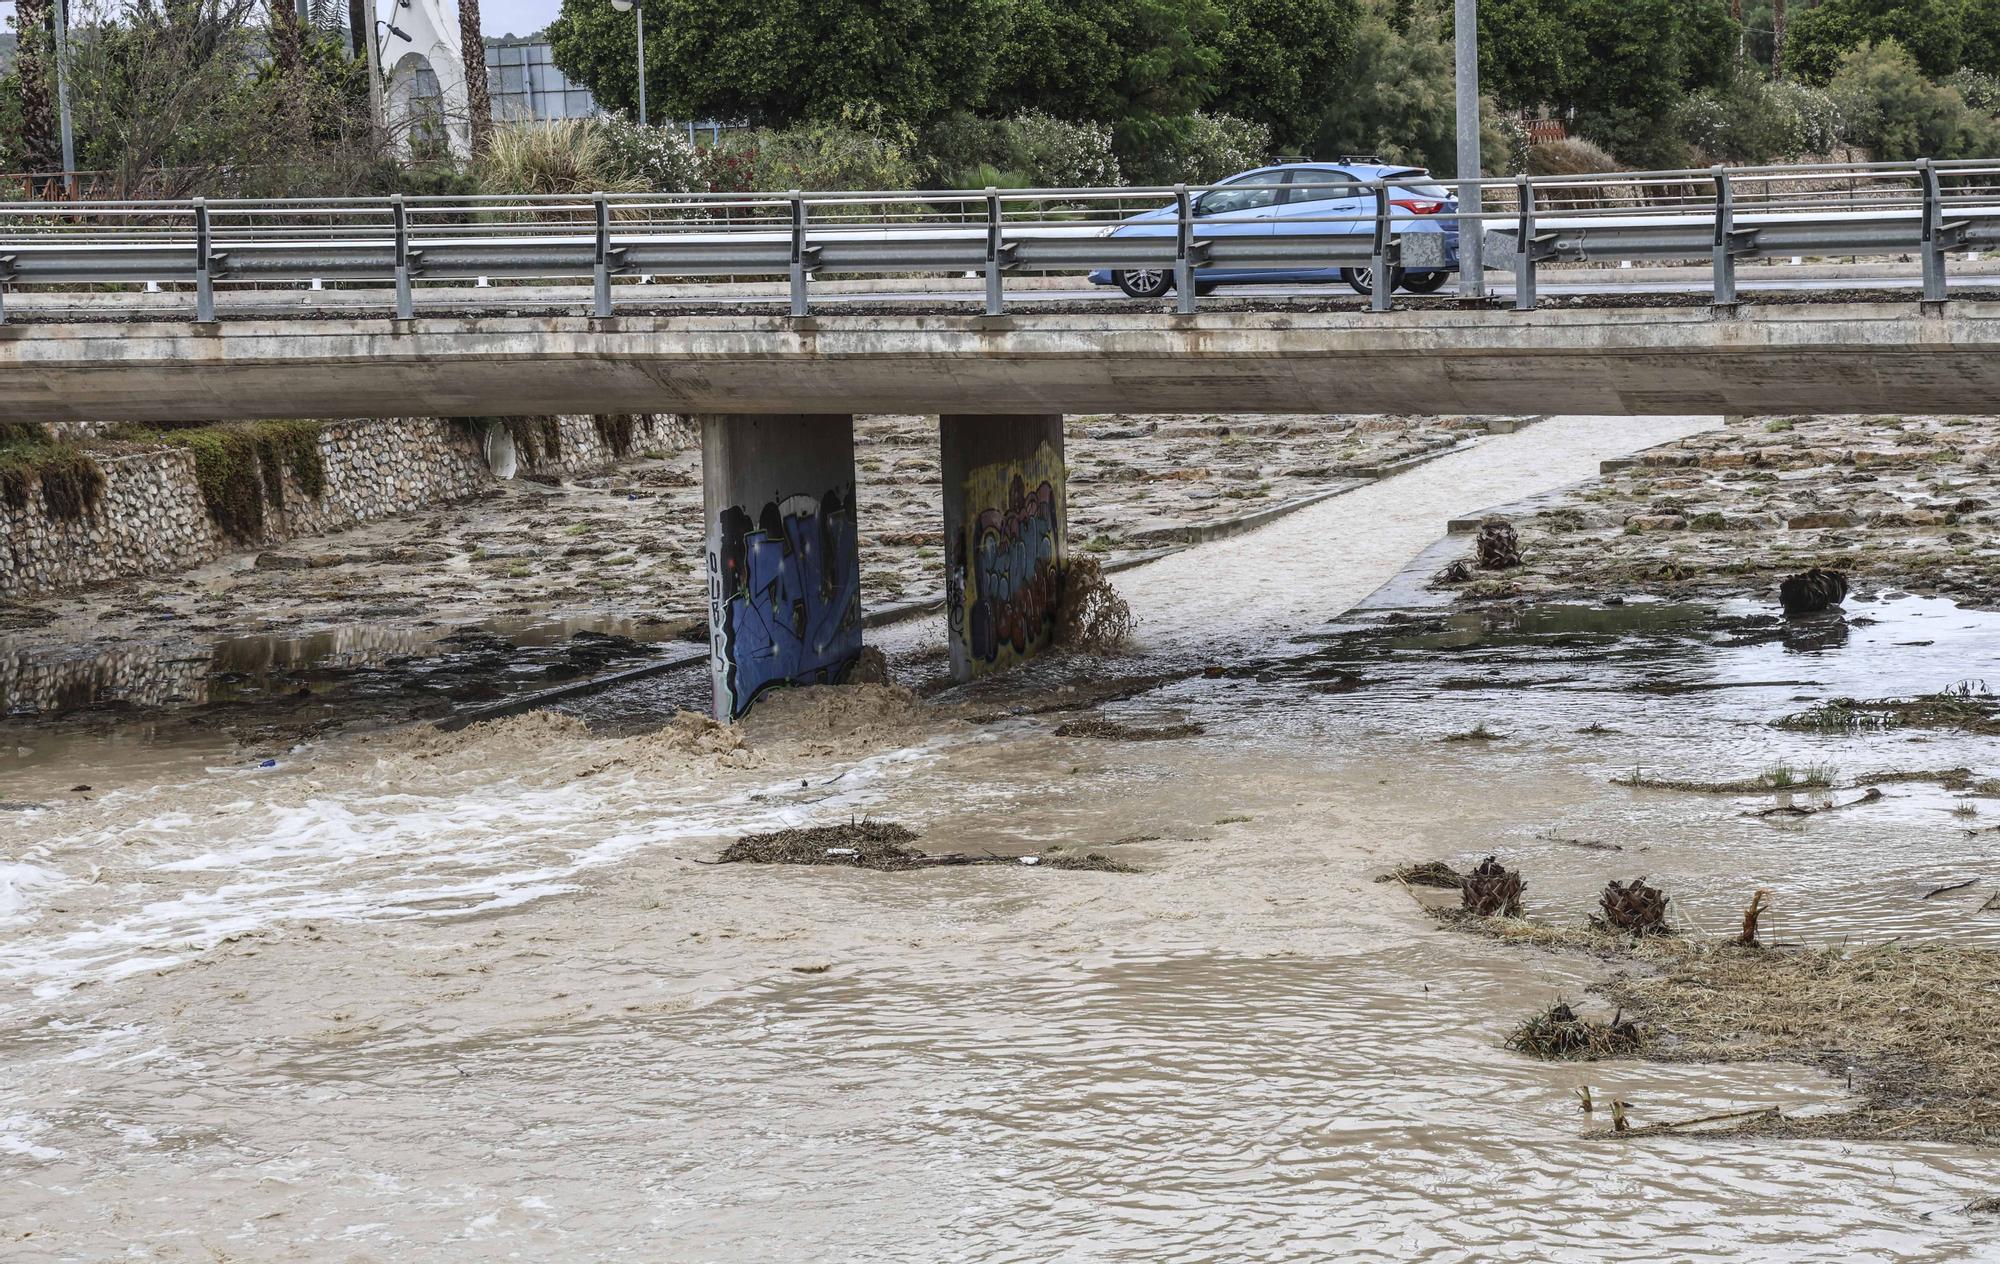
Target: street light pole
62,97
1471,261
626,6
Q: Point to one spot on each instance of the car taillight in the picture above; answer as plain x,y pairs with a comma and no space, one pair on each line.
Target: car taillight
1414,207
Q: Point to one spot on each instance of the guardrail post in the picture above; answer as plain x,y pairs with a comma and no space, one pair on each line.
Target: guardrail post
1524,253
600,271
798,272
1933,237
1725,226
406,301
1183,251
1385,281
995,301
204,289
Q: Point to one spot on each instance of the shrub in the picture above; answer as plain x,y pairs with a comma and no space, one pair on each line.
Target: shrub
1572,157
861,150
1888,108
1980,89
1056,154
1204,148
660,159
566,156
1751,120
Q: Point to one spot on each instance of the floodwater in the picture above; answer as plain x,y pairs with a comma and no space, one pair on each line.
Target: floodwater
474,996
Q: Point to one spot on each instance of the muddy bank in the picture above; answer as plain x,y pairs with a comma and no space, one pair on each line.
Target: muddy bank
1894,503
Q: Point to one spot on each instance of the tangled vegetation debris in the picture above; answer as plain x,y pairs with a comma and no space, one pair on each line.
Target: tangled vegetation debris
1968,708
1634,907
884,846
1778,777
1114,731
1091,617
1911,1024
1557,1034
1427,873
1492,890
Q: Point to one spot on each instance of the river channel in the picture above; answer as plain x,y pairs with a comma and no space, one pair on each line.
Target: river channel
478,995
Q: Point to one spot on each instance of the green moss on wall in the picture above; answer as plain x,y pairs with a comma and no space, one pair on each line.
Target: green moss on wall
241,468
72,482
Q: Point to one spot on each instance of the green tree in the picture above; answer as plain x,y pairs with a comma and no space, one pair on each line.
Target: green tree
1980,25
1280,58
1143,66
1890,109
1395,97
1931,31
775,62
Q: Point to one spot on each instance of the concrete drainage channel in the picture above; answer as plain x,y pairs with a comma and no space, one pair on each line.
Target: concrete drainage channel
1169,539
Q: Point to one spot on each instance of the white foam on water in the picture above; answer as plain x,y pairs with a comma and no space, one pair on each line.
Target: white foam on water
401,855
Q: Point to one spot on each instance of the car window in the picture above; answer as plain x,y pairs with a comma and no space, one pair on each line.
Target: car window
1332,184
1418,182
1248,194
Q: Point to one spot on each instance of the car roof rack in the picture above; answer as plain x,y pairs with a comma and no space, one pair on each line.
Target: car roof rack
1374,158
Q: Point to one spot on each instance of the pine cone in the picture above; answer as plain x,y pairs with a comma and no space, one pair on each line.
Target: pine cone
1635,907
1491,890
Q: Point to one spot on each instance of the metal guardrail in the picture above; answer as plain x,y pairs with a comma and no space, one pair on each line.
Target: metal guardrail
1720,215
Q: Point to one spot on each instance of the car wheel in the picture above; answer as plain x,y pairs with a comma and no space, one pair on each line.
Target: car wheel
1362,280
1145,283
1425,282
1205,287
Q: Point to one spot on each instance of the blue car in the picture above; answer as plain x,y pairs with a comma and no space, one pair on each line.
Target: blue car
1303,199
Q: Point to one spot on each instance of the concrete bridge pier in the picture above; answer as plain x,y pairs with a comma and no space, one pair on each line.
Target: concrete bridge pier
784,564
1004,523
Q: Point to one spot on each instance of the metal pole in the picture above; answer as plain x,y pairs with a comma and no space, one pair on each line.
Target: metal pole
1933,233
800,305
204,288
1384,279
62,97
639,10
1184,293
378,110
1471,256
601,270
996,302
1725,230
406,304
1524,256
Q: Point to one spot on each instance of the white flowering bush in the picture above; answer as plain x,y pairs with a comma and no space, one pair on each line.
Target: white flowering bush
1053,153
660,159
1210,147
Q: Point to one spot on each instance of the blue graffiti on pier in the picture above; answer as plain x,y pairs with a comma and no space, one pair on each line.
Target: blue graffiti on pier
785,596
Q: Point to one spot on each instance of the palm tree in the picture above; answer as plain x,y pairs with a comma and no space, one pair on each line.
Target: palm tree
472,46
41,150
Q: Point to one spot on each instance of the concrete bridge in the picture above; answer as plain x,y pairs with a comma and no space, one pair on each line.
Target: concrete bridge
1766,358
777,397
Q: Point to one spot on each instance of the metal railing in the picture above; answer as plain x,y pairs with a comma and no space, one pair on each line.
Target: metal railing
402,245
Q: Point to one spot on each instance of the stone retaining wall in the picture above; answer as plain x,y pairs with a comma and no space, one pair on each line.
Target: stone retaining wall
152,520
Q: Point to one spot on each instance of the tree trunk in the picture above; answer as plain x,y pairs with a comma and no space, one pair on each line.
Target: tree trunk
288,45
1777,39
41,147
477,103
357,29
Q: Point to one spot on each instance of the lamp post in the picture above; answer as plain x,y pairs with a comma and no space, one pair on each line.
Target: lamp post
1471,261
62,97
630,6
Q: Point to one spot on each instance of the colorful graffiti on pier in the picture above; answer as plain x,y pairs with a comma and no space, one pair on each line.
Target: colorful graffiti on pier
784,595
1005,575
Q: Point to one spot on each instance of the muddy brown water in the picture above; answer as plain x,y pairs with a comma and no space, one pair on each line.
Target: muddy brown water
471,996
